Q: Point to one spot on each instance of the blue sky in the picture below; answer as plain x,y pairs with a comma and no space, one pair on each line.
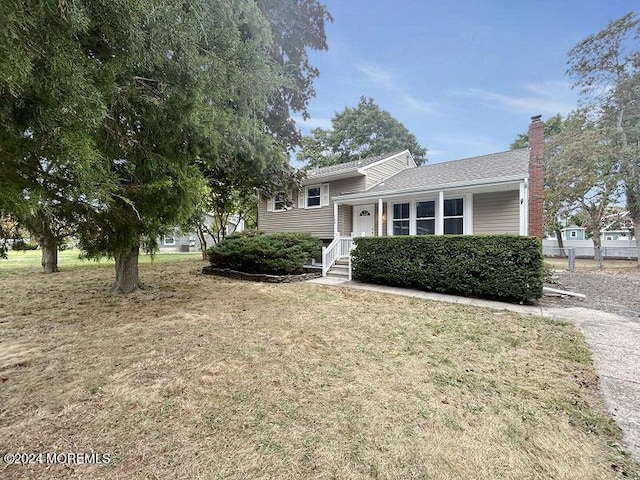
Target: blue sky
463,76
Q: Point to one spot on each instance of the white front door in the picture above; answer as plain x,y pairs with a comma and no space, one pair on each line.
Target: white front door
363,220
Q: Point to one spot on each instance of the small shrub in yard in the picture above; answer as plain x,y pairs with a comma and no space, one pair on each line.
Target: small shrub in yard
276,253
493,266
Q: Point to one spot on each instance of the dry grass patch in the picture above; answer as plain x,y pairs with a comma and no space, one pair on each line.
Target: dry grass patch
204,377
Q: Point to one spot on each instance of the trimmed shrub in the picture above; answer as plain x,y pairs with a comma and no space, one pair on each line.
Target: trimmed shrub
503,267
276,253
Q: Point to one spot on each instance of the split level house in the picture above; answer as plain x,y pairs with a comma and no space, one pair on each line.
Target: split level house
498,193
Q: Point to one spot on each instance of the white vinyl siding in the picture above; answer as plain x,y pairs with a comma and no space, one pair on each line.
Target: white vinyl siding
317,221
389,168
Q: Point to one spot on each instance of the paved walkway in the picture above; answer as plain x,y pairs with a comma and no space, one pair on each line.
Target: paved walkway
614,341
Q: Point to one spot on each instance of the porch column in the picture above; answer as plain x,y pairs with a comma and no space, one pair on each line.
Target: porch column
335,220
379,217
440,214
524,207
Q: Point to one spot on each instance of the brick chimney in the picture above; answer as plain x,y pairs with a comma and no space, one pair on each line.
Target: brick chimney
536,176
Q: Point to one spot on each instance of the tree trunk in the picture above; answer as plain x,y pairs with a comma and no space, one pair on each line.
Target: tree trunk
126,271
49,247
560,242
203,241
597,247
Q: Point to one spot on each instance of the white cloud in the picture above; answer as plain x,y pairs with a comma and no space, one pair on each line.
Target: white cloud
388,80
313,122
546,98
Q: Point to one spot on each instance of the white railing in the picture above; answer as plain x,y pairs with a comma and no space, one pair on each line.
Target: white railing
340,247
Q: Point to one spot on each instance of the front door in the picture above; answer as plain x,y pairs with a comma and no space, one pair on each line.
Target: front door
363,220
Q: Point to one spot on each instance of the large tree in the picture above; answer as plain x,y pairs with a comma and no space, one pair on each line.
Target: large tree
606,69
296,26
356,133
583,171
51,108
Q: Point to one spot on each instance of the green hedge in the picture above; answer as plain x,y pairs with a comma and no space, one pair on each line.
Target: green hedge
276,253
492,266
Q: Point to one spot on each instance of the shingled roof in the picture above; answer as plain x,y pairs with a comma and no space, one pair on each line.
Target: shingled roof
349,166
474,169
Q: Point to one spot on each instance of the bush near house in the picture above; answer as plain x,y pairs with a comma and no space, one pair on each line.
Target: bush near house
493,266
276,253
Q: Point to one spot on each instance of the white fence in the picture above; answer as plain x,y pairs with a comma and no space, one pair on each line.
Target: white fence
623,249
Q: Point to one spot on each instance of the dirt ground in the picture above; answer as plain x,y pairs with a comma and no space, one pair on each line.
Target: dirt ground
610,290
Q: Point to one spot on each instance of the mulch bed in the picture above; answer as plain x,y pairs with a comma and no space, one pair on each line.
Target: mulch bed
258,277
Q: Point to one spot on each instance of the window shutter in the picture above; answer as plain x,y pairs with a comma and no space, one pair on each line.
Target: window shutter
301,198
324,195
270,203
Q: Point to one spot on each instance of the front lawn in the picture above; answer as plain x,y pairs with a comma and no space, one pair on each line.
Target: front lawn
206,377
30,259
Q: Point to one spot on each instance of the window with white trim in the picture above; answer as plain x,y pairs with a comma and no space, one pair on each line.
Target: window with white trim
313,195
573,234
454,216
169,240
401,219
280,202
426,218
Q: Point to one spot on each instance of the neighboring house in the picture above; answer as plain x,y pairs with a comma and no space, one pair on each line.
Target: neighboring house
573,232
178,241
622,234
499,193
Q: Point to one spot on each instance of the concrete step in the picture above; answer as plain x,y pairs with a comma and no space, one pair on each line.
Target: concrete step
334,274
342,261
340,269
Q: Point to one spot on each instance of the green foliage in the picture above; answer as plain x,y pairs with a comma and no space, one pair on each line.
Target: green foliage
493,266
359,132
581,172
21,245
110,108
295,26
552,126
277,253
605,66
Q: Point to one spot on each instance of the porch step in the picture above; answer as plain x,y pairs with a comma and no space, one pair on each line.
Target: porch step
339,269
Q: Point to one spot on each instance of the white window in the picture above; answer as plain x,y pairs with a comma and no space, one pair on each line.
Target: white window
573,234
313,196
608,237
401,219
454,216
426,218
169,240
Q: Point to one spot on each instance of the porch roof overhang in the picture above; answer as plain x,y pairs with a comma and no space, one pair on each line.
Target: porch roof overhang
376,193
